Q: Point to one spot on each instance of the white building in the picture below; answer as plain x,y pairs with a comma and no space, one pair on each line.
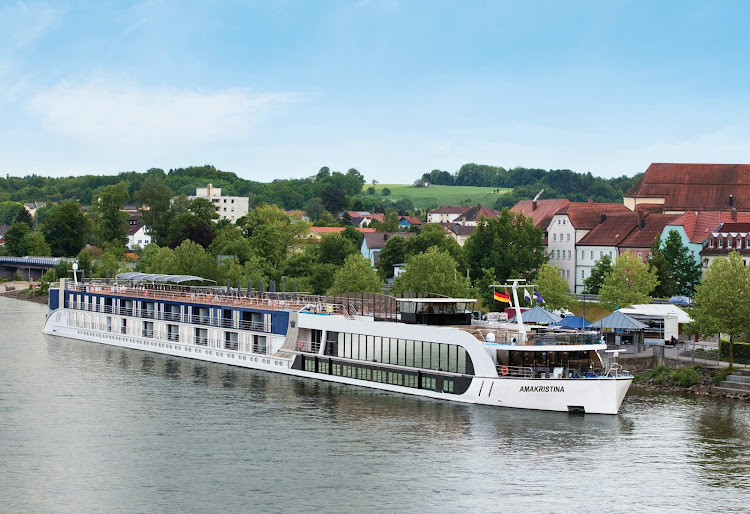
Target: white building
137,235
446,214
568,226
227,207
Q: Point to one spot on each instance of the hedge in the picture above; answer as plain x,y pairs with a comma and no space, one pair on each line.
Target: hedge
741,352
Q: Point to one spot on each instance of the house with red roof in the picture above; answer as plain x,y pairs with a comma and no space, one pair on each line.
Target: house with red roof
603,239
540,211
374,242
650,226
677,188
137,233
695,227
728,237
568,226
446,214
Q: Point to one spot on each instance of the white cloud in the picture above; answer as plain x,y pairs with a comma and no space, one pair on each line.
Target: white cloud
107,111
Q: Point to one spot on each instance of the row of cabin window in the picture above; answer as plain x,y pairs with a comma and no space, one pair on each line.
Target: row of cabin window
403,352
378,375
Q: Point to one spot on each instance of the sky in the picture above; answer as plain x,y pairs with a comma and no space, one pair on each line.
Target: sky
393,88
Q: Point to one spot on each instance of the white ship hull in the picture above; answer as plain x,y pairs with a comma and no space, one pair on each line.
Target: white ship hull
602,395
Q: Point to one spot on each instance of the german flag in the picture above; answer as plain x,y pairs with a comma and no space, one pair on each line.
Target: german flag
500,297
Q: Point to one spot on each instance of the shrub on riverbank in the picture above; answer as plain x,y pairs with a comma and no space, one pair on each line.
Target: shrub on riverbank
662,375
741,352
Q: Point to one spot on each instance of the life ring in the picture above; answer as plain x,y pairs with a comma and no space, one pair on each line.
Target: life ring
504,370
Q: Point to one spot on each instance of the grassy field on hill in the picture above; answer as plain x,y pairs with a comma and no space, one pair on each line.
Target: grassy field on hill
436,196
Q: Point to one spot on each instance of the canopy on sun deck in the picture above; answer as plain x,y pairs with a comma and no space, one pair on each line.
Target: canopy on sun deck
436,311
157,277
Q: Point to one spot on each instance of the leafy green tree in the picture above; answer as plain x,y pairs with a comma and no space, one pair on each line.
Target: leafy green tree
9,211
110,222
15,239
109,261
191,259
315,209
631,282
394,252
354,276
601,269
204,210
24,216
155,196
431,235
553,288
484,291
722,300
433,271
230,241
353,235
335,250
510,244
386,191
683,272
85,261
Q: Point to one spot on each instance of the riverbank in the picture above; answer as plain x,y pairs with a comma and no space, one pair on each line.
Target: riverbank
693,380
19,290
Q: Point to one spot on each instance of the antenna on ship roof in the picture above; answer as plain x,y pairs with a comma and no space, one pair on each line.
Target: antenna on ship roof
514,286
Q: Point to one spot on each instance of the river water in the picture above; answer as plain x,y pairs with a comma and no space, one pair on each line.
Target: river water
90,428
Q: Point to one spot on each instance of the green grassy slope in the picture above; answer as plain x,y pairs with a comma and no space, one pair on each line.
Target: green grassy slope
436,196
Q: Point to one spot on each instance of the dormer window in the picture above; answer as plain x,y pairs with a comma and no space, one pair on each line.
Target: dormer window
721,244
729,243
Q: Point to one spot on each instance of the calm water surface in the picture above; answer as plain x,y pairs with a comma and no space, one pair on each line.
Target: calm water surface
87,427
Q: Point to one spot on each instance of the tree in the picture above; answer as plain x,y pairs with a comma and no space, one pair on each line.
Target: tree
204,210
722,301
354,276
155,196
110,222
386,191
683,272
15,239
553,288
24,216
433,271
191,259
601,269
394,252
335,250
630,282
509,243
9,211
36,244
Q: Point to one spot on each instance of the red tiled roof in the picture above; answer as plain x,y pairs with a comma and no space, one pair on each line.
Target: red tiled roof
611,232
733,227
699,224
476,213
411,219
653,226
586,215
450,209
336,230
3,230
132,229
687,186
544,211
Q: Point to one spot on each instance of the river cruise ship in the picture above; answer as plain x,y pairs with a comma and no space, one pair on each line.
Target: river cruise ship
419,346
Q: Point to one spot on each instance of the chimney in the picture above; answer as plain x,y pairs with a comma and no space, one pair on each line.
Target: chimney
734,212
533,204
385,236
603,218
731,200
591,200
641,219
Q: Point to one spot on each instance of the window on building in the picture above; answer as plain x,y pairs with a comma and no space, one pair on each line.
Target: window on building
570,254
592,255
610,254
640,255
601,254
558,254
583,274
567,273
721,244
729,242
554,237
567,237
710,243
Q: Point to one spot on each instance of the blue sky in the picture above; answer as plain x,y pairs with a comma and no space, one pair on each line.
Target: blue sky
393,88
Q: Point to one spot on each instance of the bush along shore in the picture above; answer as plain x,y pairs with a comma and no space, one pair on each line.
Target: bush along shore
692,379
26,291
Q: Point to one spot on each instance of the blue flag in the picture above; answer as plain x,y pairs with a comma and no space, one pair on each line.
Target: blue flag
538,297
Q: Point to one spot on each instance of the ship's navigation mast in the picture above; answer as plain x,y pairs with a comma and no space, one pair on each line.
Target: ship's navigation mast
513,285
